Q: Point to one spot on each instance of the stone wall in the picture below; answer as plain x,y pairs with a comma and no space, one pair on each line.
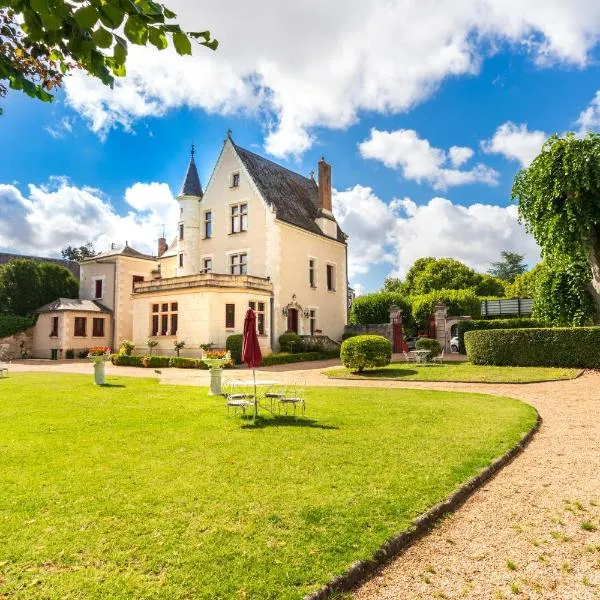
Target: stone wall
321,340
383,329
17,345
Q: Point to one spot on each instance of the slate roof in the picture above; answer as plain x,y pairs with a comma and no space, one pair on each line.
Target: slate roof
74,304
191,184
124,251
294,196
72,265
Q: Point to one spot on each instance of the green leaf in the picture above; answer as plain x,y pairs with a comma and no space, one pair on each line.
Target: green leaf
40,6
182,43
86,17
169,14
102,38
111,17
158,38
136,30
120,53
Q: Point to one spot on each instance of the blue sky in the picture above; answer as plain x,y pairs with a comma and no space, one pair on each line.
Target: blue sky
100,163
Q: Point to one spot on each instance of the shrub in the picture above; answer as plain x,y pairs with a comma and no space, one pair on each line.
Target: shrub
484,324
372,309
540,347
156,362
11,324
459,302
434,347
127,347
124,360
187,363
83,353
283,358
366,352
290,342
151,345
234,345
69,353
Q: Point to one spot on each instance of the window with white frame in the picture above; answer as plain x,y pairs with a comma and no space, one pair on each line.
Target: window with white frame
313,320
331,278
164,319
208,224
259,309
312,272
238,264
239,218
207,265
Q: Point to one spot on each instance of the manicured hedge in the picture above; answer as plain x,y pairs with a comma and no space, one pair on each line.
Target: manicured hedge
484,324
234,345
366,352
290,342
434,347
187,363
284,358
10,324
157,362
541,347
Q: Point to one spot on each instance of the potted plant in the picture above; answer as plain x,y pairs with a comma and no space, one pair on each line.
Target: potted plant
99,355
216,360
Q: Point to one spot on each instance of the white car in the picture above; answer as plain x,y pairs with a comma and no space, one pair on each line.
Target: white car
454,344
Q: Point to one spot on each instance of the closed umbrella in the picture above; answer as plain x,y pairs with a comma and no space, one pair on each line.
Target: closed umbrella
251,353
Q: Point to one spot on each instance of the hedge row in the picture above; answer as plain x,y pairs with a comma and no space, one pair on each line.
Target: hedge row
284,358
157,362
484,324
541,347
11,324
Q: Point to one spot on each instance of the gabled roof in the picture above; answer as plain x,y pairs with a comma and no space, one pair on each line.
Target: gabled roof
191,184
72,265
294,197
124,251
74,304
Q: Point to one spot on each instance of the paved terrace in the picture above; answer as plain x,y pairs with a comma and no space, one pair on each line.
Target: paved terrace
530,514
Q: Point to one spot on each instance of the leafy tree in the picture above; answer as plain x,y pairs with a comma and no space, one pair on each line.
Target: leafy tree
509,266
79,253
42,40
562,297
458,302
393,284
375,308
525,285
27,284
430,274
559,200
490,286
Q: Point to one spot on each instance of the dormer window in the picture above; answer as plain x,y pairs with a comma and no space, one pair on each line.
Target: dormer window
235,180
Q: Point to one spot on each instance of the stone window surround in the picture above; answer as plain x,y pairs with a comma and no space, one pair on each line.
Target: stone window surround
204,257
169,313
232,180
230,253
256,302
230,206
204,222
96,319
101,278
315,270
330,263
315,310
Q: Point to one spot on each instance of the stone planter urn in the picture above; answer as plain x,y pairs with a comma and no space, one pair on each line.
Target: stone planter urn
98,356
215,365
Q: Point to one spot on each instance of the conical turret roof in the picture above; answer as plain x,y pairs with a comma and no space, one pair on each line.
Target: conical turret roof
191,184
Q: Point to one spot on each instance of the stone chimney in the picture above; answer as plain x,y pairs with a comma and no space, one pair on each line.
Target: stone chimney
324,185
162,246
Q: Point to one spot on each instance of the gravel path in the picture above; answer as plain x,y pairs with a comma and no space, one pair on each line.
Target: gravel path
532,532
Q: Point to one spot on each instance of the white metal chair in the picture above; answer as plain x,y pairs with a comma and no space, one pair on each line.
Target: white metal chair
4,358
409,357
438,359
294,396
236,400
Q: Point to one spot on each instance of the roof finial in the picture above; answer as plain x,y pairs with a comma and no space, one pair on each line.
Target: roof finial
229,132
193,150
312,175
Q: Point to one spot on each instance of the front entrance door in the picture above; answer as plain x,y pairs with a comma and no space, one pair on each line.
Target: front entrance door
292,320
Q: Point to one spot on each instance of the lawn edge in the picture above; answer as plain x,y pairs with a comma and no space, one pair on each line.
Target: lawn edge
363,570
362,378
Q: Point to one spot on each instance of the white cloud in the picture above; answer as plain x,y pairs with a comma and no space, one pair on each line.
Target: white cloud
515,142
53,216
313,63
589,119
421,162
61,129
359,288
399,233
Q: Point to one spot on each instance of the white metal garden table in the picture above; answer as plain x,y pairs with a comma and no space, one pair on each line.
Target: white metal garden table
422,355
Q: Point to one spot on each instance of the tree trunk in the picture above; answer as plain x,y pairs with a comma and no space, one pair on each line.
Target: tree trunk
594,287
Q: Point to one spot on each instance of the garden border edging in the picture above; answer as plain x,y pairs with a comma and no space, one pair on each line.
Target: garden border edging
365,569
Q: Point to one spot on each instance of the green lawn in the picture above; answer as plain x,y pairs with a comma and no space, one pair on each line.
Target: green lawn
465,372
142,490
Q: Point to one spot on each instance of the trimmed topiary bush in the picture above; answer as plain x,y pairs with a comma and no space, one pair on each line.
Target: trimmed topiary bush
484,324
366,352
234,345
434,347
541,347
290,342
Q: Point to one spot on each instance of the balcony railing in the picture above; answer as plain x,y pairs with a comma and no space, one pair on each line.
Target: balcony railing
204,280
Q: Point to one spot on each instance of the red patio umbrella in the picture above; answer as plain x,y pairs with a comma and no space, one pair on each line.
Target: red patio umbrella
251,353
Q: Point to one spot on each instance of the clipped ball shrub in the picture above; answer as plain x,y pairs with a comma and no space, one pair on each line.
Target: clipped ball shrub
366,352
434,347
541,347
290,342
234,345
